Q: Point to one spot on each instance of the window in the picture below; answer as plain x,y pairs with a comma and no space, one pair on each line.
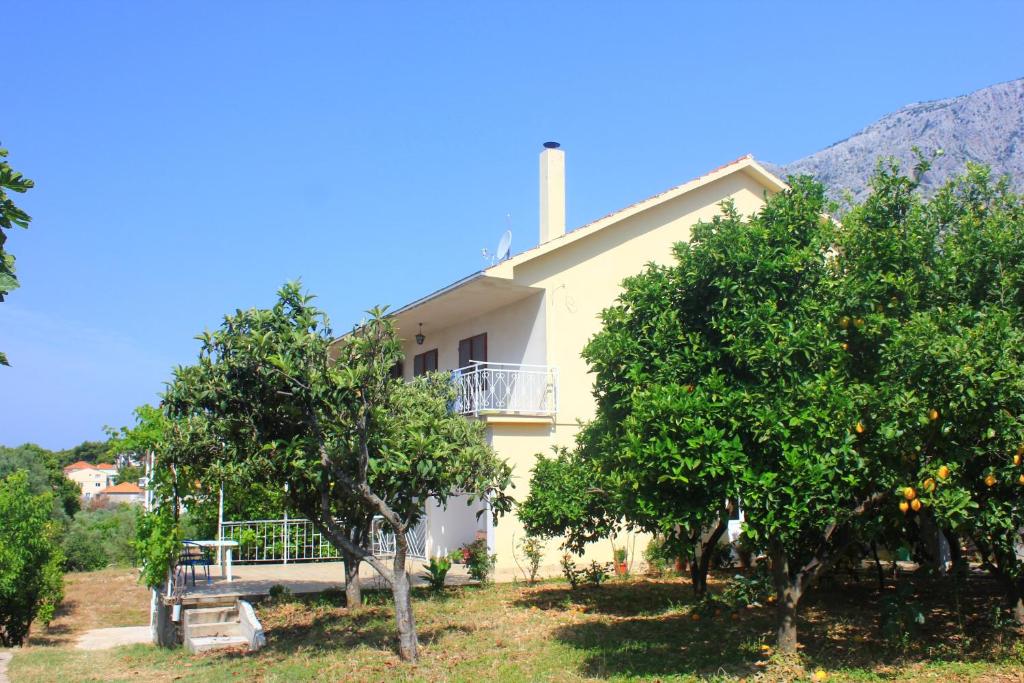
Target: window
397,371
425,362
473,348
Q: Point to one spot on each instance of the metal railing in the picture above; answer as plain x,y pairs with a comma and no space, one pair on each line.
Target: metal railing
297,540
506,388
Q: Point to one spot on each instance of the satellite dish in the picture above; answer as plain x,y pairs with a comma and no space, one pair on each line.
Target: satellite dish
504,246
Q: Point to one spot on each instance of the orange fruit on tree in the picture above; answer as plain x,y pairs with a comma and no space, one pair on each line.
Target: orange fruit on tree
929,484
933,415
1016,458
904,506
844,322
858,323
943,472
915,504
1021,479
909,493
859,428
846,347
990,480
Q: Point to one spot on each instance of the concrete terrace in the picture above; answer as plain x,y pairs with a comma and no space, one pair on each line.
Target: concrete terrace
253,581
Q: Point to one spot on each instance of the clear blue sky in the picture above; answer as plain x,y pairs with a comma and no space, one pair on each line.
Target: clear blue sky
190,157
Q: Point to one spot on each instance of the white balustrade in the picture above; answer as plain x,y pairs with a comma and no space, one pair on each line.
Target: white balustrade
297,540
506,388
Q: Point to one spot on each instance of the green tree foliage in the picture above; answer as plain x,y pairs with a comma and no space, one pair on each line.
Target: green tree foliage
10,217
45,473
89,451
101,538
349,440
723,377
31,583
564,501
955,424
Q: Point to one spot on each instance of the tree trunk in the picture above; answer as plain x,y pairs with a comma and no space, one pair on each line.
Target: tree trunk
703,550
788,592
878,566
353,587
400,591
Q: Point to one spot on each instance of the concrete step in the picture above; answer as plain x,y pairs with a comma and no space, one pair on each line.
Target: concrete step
207,643
214,628
209,615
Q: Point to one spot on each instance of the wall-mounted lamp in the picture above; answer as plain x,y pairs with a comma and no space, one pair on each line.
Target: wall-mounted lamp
419,336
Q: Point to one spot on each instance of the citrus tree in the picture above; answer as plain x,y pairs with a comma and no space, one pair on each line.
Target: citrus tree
724,377
960,424
331,423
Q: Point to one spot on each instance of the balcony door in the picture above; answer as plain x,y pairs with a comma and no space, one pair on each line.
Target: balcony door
474,349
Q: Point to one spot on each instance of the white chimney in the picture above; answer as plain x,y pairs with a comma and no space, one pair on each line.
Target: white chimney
552,192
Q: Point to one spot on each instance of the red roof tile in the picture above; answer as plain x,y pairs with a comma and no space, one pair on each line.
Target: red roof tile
126,487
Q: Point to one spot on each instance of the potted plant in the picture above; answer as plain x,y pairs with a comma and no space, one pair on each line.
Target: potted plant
620,556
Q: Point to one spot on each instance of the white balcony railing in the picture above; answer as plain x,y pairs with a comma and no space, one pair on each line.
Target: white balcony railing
297,540
506,388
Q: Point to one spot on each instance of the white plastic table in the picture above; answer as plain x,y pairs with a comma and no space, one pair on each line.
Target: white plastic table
226,561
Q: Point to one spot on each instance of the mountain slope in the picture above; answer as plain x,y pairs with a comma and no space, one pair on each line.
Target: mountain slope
985,126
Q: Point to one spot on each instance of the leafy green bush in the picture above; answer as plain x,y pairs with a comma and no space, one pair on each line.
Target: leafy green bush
31,582
742,590
659,556
100,538
596,573
83,549
571,573
437,570
478,561
532,549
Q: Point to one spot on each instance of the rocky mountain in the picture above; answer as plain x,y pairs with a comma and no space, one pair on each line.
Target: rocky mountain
985,126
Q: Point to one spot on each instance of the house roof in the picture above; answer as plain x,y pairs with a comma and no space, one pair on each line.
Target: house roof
482,284
123,488
83,465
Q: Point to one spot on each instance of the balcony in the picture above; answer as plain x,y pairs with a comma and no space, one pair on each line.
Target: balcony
506,389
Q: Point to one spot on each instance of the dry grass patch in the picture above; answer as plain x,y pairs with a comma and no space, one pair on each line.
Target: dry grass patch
100,599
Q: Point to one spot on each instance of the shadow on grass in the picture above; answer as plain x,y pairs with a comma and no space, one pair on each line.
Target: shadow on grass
313,626
632,598
647,629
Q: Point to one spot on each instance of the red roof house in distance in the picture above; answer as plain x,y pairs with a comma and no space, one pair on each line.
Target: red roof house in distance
126,492
91,478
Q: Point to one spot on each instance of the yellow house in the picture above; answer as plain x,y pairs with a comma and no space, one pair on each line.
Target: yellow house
513,333
91,478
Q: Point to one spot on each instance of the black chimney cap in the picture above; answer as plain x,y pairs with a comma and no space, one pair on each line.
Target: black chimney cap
551,145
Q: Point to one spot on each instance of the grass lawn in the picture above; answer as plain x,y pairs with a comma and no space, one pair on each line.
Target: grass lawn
632,630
